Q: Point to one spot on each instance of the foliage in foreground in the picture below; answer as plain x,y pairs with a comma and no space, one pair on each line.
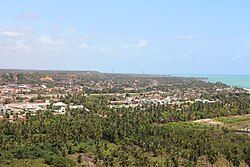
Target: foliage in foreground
124,137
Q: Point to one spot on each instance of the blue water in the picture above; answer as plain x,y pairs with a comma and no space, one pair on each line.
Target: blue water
242,81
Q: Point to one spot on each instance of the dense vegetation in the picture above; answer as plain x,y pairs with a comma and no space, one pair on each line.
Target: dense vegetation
150,135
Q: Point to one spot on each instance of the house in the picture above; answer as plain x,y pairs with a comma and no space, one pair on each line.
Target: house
76,107
59,104
204,101
4,109
59,107
43,86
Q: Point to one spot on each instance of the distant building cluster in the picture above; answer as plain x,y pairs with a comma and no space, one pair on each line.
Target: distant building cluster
32,92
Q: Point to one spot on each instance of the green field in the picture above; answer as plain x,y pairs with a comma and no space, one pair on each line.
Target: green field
235,122
26,163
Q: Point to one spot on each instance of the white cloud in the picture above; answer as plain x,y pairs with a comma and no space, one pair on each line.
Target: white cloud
126,46
13,46
84,46
141,44
26,29
21,44
45,39
71,30
49,40
102,48
55,27
237,57
10,33
17,31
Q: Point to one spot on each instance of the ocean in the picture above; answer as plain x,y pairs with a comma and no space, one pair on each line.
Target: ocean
242,81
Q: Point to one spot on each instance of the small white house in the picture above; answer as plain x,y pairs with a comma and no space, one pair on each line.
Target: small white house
44,86
76,107
59,104
59,107
4,109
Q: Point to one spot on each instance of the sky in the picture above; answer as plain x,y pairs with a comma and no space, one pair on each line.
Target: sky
127,36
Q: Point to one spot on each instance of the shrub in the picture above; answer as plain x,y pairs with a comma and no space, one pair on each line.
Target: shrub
6,157
59,161
28,153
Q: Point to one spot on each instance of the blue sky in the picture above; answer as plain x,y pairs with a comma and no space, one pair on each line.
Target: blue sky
127,36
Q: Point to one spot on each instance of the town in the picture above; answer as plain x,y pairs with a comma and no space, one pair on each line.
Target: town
46,90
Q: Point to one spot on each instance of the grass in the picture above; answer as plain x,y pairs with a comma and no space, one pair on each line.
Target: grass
232,122
189,125
234,119
238,125
26,163
235,122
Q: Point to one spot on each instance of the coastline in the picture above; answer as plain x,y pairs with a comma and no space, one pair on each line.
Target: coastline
247,89
234,81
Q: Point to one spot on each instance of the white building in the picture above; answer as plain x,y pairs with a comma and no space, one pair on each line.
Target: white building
59,107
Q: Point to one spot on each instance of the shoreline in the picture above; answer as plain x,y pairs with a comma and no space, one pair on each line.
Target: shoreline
247,89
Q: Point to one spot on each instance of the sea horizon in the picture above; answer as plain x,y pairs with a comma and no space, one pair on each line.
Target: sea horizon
242,81
235,80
